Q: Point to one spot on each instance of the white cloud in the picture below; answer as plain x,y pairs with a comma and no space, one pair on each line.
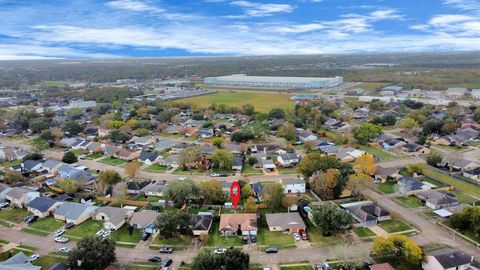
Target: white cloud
260,10
16,51
134,5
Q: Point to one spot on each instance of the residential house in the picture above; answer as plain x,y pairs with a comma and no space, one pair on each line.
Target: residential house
437,199
288,160
82,177
201,224
409,186
413,148
20,197
102,132
43,206
382,174
237,165
268,165
173,129
448,260
286,222
203,133
348,154
135,187
142,141
258,190
165,145
475,93
29,166
4,189
126,155
393,143
75,213
306,136
235,149
155,188
473,174
459,164
110,150
265,148
10,153
51,166
366,213
144,220
18,261
455,92
382,266
293,185
113,218
149,158
172,161
178,147
244,224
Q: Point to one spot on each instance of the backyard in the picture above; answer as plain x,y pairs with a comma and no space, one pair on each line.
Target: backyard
87,228
409,201
393,226
113,161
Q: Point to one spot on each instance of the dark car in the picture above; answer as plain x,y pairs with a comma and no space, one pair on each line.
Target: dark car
304,235
271,249
245,239
30,219
155,259
145,236
166,250
222,175
253,238
166,263
69,225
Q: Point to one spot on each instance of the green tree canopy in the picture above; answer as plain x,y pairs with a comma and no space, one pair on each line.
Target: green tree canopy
93,253
331,219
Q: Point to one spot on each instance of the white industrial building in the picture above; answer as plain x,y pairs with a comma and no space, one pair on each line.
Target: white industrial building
274,82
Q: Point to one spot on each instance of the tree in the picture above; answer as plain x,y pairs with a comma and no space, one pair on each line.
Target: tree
188,155
131,168
171,223
117,136
247,191
323,184
218,142
222,159
399,246
315,162
449,128
69,157
72,128
232,259
434,160
68,185
93,253
274,195
120,193
287,132
331,219
108,178
241,136
33,156
377,105
248,109
358,182
277,113
12,177
365,164
250,205
415,168
38,124
39,145
252,160
432,126
365,132
142,132
213,192
183,191
409,124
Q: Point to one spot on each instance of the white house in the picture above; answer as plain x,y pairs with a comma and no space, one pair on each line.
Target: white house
293,185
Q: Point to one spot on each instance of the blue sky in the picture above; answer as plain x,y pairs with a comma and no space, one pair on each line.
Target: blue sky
32,29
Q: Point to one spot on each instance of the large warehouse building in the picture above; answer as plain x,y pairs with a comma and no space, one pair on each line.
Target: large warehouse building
274,82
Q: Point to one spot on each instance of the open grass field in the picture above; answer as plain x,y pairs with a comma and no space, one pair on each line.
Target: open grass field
15,215
180,243
113,161
465,187
263,102
363,232
156,168
393,225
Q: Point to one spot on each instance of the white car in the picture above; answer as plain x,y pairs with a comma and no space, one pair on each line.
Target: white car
33,257
100,233
106,233
297,237
64,250
219,250
3,204
182,178
58,232
214,175
61,240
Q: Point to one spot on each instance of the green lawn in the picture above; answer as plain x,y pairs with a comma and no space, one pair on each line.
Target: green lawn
15,215
142,267
267,238
180,243
237,99
393,225
156,168
296,267
95,155
217,240
113,161
7,164
464,198
188,172
316,238
47,261
409,201
87,228
386,188
378,153
250,170
463,186
286,170
48,224
78,152
123,235
363,232
468,233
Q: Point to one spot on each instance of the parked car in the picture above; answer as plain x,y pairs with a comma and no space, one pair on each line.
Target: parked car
219,250
99,233
58,232
297,237
106,233
155,259
166,250
253,238
61,239
166,263
33,257
324,266
3,205
64,250
145,236
69,225
182,178
304,235
30,219
222,175
214,175
245,239
271,249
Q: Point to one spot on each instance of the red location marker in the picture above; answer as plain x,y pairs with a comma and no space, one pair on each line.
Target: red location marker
235,193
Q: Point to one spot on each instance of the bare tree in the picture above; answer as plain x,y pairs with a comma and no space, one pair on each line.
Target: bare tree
120,193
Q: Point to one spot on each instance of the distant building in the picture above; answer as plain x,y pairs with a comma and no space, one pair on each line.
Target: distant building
391,90
274,82
475,93
455,92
